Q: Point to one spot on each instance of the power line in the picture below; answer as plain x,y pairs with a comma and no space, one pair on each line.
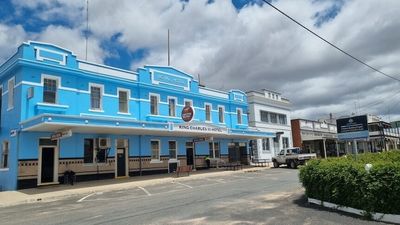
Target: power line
333,45
371,104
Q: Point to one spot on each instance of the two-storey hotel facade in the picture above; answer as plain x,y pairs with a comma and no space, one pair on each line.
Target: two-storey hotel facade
59,113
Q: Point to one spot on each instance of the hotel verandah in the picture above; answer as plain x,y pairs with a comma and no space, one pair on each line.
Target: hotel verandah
107,122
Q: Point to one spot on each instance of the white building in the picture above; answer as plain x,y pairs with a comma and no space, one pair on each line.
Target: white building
268,111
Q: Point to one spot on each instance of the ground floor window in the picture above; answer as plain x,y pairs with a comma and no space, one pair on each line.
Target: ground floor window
92,154
214,152
265,145
285,142
101,155
172,149
4,155
155,150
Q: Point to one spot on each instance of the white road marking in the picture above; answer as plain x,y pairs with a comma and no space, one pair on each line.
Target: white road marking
145,191
87,196
94,217
183,184
216,180
245,177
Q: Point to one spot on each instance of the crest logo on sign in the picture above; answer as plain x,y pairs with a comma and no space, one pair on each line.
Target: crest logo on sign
187,113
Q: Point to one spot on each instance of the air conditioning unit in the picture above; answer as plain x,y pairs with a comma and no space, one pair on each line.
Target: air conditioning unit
104,143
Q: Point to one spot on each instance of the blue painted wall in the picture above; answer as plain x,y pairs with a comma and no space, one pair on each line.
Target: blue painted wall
34,60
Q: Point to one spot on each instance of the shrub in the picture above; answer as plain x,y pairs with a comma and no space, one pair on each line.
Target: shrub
344,181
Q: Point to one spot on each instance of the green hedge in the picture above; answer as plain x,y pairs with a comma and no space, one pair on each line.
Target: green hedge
344,181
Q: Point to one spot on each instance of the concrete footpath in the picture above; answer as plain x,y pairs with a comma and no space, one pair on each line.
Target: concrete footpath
57,192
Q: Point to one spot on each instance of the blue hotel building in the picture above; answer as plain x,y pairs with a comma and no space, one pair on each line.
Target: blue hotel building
59,113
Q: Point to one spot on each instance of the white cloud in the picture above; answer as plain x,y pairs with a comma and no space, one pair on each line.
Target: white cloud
255,47
71,11
74,40
10,38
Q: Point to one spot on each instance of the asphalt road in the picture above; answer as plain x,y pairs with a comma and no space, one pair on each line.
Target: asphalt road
272,196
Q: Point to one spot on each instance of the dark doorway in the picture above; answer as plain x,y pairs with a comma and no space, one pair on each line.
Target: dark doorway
233,152
237,152
121,163
244,157
189,153
47,165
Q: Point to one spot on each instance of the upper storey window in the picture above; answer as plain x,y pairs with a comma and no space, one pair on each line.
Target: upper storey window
96,97
282,119
239,116
270,117
221,118
11,84
264,116
123,101
273,117
154,104
208,112
49,90
171,106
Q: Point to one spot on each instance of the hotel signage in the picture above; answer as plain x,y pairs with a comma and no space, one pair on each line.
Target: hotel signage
61,134
187,113
200,128
201,139
177,81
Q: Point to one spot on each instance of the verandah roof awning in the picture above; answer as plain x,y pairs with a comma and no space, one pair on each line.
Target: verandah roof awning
110,125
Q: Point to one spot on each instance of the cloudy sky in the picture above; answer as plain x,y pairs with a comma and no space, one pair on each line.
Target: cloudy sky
241,44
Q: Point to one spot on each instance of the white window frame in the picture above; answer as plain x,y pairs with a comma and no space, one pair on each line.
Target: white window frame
95,160
223,114
128,96
205,112
213,143
261,120
2,167
176,102
10,99
56,162
187,100
268,149
159,151
285,119
51,77
288,142
270,117
176,150
158,103
241,115
101,86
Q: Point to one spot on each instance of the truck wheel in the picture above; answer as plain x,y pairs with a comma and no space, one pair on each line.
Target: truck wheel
276,164
293,164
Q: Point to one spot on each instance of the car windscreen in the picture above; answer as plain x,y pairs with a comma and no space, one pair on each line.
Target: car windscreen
296,151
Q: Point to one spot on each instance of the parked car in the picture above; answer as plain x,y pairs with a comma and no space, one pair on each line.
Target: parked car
292,157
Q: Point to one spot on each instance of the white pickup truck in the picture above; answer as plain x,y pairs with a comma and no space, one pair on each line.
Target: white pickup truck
292,157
